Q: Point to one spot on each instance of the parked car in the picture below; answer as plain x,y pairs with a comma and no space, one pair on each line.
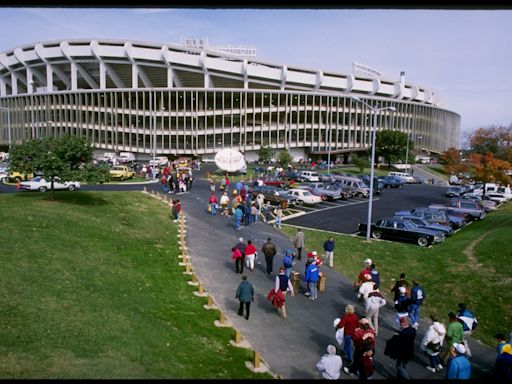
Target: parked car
276,196
39,183
121,172
423,223
486,201
276,182
329,191
355,185
404,176
454,191
309,176
470,209
391,182
4,176
378,185
15,176
305,197
499,198
439,215
396,229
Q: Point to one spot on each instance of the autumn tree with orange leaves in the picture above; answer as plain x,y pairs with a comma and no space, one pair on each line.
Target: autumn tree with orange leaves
489,169
452,161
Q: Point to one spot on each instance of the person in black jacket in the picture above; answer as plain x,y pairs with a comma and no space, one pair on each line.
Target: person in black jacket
405,348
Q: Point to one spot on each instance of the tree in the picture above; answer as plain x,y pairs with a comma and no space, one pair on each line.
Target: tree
285,158
489,169
392,145
265,154
68,157
361,162
452,161
495,139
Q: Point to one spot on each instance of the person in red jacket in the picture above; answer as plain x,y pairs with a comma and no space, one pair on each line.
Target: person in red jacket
250,255
349,321
364,341
366,271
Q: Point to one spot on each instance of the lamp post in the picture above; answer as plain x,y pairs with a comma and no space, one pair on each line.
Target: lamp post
8,125
372,162
407,150
330,142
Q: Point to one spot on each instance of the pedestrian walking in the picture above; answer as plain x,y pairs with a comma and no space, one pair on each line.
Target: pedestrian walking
224,202
236,256
213,204
364,343
361,277
163,182
299,242
329,251
375,276
312,276
267,211
401,305
284,284
458,366
241,246
401,282
374,303
403,347
245,294
501,342
469,324
417,297
250,255
288,262
330,364
454,335
503,365
269,250
238,215
176,210
254,213
349,322
432,343
365,289
278,212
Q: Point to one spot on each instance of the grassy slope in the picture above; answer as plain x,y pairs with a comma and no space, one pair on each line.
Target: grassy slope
91,288
449,276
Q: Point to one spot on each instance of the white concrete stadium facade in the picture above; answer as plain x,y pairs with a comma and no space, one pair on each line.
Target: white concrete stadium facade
145,97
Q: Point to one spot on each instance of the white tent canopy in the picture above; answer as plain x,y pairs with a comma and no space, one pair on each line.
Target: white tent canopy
230,160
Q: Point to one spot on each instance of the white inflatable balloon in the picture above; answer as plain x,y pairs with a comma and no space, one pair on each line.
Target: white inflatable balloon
230,160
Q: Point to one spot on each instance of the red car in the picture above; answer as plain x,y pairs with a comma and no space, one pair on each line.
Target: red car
276,182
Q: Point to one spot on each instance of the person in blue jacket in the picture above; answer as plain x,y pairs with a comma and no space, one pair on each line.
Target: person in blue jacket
311,280
238,217
458,366
288,262
329,251
417,297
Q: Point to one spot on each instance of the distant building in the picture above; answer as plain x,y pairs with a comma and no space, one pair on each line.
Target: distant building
140,97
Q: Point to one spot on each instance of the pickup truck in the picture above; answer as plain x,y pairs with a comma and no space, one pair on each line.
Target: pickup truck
121,172
470,209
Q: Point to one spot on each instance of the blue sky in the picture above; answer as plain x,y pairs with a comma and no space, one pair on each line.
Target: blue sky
466,55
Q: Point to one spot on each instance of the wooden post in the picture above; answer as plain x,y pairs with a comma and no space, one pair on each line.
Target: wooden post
187,267
194,279
210,301
256,359
200,288
238,337
145,190
221,319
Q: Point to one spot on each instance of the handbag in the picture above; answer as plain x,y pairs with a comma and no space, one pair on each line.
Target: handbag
209,208
340,333
434,347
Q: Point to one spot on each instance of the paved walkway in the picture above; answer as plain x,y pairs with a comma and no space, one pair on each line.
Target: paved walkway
290,347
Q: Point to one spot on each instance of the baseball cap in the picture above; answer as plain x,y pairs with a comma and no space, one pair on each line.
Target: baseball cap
368,261
240,239
460,348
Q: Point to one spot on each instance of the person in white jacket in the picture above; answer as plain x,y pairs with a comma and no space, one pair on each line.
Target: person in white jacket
330,364
365,288
374,302
432,343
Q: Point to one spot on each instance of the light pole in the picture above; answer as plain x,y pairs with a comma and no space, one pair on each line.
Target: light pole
407,150
330,142
372,162
8,125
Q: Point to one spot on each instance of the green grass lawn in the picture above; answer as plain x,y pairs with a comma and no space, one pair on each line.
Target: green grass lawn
91,288
481,278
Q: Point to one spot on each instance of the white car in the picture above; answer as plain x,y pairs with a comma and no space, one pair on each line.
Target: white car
40,184
304,196
499,198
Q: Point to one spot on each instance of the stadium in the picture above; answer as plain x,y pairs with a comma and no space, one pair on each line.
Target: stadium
176,100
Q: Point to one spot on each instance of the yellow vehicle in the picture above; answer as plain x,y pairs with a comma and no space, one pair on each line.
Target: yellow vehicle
15,176
121,172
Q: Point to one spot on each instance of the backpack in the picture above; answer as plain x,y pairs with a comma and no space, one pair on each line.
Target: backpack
287,261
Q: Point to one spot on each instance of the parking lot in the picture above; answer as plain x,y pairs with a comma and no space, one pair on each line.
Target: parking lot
343,216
